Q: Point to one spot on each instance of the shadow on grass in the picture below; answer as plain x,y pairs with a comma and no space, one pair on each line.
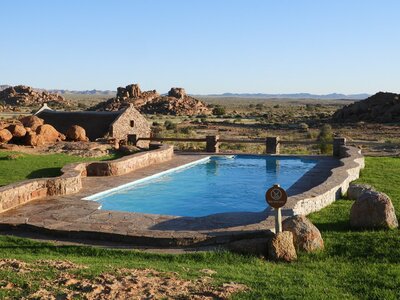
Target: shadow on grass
338,226
46,172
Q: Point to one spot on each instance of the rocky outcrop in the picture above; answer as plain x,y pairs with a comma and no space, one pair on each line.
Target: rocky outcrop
5,136
179,93
76,133
281,247
26,96
373,210
306,236
379,108
177,102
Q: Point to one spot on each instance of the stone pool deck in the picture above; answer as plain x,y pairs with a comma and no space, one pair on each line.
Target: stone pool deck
71,218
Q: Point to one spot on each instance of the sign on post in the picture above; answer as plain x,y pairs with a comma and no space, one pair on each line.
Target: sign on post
276,197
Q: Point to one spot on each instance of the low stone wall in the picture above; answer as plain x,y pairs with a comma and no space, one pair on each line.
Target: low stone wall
334,187
70,181
129,163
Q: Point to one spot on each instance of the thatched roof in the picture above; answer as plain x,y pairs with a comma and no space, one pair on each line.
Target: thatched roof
96,123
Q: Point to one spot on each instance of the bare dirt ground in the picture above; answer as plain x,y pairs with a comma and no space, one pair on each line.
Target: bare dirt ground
120,284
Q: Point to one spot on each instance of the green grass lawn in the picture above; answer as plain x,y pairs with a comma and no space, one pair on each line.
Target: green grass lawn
28,166
354,265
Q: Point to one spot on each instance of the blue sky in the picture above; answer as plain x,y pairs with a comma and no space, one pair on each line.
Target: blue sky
206,46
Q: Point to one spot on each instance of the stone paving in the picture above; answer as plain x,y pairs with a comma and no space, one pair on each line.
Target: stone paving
69,217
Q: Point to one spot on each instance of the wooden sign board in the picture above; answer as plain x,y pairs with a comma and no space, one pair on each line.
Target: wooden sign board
276,196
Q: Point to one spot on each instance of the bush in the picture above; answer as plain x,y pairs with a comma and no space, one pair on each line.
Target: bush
169,125
325,139
218,111
186,130
303,127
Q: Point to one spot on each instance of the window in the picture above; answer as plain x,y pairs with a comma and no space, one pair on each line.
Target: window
132,122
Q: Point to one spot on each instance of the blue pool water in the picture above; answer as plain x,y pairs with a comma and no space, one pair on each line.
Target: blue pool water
215,185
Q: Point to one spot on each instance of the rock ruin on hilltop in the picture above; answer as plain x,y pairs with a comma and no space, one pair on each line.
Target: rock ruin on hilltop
177,102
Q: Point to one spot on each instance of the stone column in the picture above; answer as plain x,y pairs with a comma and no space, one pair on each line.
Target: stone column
272,144
212,143
338,142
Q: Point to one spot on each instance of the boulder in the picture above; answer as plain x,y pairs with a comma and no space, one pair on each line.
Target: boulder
179,93
31,121
76,133
355,190
5,136
281,247
49,134
17,131
306,236
373,210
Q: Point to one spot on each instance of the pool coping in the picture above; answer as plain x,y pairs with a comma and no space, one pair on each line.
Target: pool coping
72,218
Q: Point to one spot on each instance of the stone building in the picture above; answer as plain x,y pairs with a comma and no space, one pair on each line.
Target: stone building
99,124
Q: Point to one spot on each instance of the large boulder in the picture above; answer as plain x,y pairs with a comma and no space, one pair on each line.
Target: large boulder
5,136
355,190
175,92
76,133
17,130
306,236
31,121
44,134
281,247
373,210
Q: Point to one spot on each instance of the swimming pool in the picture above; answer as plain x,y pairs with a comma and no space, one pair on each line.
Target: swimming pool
212,185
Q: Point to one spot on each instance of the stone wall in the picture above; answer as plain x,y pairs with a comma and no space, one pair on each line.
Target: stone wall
130,163
70,181
336,185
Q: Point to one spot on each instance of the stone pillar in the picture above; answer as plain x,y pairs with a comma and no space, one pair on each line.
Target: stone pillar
338,142
272,144
132,139
212,143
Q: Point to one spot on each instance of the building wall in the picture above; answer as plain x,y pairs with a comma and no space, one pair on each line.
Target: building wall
131,122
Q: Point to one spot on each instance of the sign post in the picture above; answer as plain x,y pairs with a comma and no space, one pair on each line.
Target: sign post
276,197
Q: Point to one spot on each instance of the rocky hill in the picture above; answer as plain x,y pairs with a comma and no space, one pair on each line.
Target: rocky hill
177,102
379,108
25,96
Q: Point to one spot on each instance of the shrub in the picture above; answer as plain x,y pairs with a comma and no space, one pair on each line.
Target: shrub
325,139
218,110
186,130
303,127
169,125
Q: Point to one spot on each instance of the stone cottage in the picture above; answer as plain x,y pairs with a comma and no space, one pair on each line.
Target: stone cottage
99,124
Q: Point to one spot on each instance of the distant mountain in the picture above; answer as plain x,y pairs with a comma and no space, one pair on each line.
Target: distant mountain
87,92
62,92
332,96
